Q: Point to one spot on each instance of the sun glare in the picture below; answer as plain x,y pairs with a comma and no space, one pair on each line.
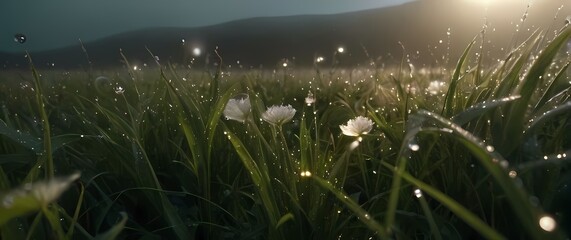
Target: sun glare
484,2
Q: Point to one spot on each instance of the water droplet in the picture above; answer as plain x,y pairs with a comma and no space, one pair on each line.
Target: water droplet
119,90
547,223
196,51
20,38
512,174
490,148
417,193
414,147
504,163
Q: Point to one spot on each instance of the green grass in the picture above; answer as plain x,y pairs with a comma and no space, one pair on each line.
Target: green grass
484,155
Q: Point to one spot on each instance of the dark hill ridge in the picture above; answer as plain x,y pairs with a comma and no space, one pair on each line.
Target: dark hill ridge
420,26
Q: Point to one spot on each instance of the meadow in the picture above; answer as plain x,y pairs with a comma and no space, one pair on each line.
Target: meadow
479,150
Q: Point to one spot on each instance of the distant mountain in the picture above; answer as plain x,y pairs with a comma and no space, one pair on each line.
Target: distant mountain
421,27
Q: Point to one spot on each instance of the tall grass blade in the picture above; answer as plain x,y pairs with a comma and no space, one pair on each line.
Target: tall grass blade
47,150
24,139
543,118
412,128
114,231
460,211
261,181
509,82
361,214
448,108
517,116
479,109
559,80
492,161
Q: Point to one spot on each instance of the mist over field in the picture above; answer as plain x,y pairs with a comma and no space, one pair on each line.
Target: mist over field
431,32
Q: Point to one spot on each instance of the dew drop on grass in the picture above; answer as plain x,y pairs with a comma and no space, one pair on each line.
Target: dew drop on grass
20,38
504,163
490,148
414,147
547,223
512,174
418,193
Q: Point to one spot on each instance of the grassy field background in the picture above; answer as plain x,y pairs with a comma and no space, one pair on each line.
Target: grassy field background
480,150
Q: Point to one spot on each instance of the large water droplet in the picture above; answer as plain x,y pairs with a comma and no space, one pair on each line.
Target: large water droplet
490,148
512,174
418,193
306,174
547,223
20,38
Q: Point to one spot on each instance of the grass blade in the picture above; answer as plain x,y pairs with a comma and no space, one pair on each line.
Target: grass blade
114,231
492,161
479,109
361,214
448,107
463,213
517,116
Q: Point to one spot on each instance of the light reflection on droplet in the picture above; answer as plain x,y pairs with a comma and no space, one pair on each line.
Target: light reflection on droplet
490,148
417,193
547,223
414,147
20,38
512,174
306,174
196,52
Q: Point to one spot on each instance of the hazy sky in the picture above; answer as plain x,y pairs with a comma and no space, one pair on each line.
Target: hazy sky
57,23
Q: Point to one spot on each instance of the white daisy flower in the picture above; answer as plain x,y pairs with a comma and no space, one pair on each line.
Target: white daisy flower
278,115
238,109
48,191
357,126
44,192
